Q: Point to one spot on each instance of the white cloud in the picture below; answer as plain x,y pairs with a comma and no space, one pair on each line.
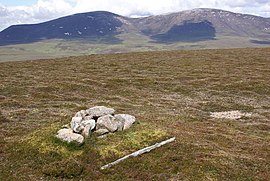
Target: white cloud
45,10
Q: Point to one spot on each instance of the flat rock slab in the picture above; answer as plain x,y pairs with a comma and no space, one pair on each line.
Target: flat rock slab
234,115
99,111
67,135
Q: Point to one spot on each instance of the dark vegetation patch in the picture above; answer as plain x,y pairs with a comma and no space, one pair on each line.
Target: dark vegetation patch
188,32
3,118
170,93
262,42
63,169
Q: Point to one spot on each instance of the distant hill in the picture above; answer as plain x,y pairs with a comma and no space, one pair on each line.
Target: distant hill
83,25
204,23
186,26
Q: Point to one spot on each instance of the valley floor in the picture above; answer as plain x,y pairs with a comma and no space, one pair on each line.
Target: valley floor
128,42
171,93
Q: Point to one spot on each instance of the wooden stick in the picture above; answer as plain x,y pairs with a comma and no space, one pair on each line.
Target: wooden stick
139,152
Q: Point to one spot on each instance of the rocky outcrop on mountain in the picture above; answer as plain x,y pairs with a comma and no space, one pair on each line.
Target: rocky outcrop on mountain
99,119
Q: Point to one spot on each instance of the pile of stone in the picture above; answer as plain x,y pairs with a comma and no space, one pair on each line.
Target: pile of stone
99,119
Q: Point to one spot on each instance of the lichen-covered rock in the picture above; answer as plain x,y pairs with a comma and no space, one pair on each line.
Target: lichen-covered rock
128,120
107,122
67,135
88,125
90,122
81,113
76,125
120,123
101,131
99,111
86,131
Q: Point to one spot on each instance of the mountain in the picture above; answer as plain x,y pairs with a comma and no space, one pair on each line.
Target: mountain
83,25
204,23
186,26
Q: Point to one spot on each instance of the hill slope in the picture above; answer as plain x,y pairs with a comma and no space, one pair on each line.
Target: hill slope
224,22
193,25
84,25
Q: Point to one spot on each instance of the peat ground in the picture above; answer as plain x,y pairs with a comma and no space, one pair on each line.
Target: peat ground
171,94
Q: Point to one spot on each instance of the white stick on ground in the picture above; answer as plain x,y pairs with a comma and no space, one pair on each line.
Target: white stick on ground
139,152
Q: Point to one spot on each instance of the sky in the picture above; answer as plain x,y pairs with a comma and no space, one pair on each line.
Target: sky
35,11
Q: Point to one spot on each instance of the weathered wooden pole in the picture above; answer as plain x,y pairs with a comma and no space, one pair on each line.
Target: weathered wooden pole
139,152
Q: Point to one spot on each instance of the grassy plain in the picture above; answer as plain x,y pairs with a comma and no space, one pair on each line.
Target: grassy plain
170,93
128,42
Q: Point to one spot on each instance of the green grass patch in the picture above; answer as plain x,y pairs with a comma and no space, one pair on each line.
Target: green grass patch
123,143
44,141
59,159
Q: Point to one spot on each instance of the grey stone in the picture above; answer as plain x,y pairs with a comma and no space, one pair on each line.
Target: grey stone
90,122
75,124
101,131
76,119
99,111
64,130
86,131
108,122
120,123
128,120
81,113
89,125
67,135
88,117
78,114
83,123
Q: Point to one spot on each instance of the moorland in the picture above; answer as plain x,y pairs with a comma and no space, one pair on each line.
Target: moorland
171,93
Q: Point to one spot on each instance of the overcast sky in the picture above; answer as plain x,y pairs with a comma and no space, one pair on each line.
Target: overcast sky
34,11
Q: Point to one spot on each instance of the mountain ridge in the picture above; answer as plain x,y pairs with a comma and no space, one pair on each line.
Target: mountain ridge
194,25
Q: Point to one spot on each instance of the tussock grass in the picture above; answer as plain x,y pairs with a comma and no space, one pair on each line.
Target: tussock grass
170,93
45,142
125,143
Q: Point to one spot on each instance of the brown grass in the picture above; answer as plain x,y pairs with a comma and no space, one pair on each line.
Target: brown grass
169,91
